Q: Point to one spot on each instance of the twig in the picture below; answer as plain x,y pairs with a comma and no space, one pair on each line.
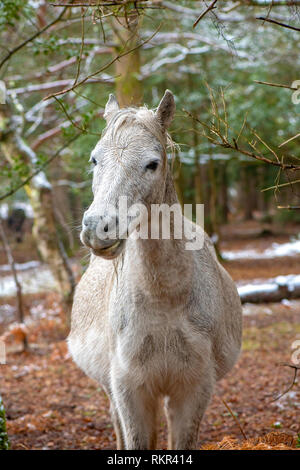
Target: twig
76,5
38,170
266,145
81,47
241,129
141,5
210,7
296,368
278,23
235,419
31,38
108,64
289,140
281,186
48,86
74,123
276,85
234,146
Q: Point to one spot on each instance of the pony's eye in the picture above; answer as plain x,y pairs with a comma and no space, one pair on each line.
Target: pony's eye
94,161
152,165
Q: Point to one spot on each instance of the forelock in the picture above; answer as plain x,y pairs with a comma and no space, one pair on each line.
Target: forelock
126,118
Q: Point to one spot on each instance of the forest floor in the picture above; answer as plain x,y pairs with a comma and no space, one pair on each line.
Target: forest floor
51,404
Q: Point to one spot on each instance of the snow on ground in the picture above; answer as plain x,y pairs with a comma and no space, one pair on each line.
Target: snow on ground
21,266
276,250
33,280
254,309
290,282
250,289
7,312
258,285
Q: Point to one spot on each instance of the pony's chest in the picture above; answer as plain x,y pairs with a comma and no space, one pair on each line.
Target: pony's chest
157,351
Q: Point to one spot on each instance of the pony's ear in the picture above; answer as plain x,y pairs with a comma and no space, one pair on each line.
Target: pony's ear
166,109
111,108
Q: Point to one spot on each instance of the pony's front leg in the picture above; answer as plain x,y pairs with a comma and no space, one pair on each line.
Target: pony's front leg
117,426
184,414
137,414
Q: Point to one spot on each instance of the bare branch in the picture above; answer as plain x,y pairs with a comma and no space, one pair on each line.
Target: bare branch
137,4
275,84
81,47
289,183
235,419
223,141
72,121
105,66
289,140
296,368
278,23
38,170
55,84
210,7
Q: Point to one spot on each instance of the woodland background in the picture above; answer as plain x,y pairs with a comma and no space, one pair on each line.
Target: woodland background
233,67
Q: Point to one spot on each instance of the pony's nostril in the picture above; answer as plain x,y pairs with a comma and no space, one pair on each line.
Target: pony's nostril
105,228
85,221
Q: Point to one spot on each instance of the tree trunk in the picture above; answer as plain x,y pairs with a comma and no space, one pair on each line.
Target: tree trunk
62,202
179,180
263,197
45,234
213,214
19,296
39,192
197,166
213,197
223,199
248,191
129,88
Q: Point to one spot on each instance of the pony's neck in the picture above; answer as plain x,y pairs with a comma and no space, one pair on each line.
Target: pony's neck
162,267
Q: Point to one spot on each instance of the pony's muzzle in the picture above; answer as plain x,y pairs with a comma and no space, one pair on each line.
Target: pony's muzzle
100,233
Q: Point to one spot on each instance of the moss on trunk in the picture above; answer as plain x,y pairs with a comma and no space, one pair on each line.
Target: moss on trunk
4,441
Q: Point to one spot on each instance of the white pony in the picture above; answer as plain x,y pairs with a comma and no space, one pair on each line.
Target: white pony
151,321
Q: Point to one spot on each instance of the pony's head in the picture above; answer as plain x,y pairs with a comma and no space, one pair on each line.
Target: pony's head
130,160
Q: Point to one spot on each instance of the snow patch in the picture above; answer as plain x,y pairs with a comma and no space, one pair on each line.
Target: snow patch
20,266
290,282
256,288
33,281
276,250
